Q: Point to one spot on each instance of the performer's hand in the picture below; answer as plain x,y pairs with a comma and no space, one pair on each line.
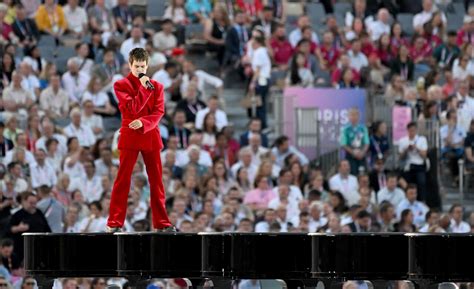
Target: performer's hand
143,80
136,124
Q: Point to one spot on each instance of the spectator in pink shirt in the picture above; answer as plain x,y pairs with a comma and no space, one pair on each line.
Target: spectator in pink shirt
259,198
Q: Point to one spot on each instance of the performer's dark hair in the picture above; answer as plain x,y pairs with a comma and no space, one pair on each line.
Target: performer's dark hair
138,54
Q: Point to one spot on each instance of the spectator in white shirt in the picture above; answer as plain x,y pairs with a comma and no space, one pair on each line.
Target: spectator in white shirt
42,173
258,151
269,217
75,81
296,35
91,184
136,40
104,164
419,209
452,140
260,83
165,40
457,224
85,63
282,149
212,107
75,129
357,58
345,183
99,98
92,120
21,142
283,198
424,16
285,178
317,220
48,132
190,73
245,161
16,99
168,76
30,81
54,100
431,221
76,18
391,192
381,26
95,222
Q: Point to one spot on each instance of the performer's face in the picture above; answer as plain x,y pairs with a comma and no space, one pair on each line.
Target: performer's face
138,67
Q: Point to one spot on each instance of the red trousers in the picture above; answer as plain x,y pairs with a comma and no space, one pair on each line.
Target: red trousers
118,202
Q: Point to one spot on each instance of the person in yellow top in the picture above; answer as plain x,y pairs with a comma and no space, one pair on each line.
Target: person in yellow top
11,12
50,18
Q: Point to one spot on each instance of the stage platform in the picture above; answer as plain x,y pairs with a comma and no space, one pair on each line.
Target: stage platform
301,260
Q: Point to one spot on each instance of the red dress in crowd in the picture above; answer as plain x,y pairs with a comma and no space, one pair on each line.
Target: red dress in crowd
138,102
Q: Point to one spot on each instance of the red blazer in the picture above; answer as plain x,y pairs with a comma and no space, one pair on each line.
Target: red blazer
137,102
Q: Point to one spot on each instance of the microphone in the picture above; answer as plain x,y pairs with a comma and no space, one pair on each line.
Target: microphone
148,82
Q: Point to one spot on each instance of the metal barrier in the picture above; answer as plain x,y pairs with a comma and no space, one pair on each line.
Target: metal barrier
307,133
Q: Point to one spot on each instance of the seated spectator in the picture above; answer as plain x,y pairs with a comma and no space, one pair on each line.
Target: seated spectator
168,76
52,209
258,151
420,53
101,20
345,183
16,99
299,75
165,40
85,63
223,150
191,74
282,149
452,139
387,217
209,131
106,70
358,60
380,26
406,222
42,173
30,81
54,100
212,107
344,65
50,19
426,15
259,198
362,223
466,33
25,28
75,81
34,59
176,12
215,29
285,178
457,224
461,69
447,52
254,127
123,15
198,10
76,18
431,221
359,11
47,133
136,40
418,209
397,38
99,98
191,104
297,34
391,193
76,129
469,147
95,222
395,90
245,162
328,55
92,120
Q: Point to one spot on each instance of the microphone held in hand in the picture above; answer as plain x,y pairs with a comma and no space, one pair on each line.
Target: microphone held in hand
148,82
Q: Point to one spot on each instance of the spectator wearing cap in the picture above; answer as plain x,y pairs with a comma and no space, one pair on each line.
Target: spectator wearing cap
54,99
25,28
136,40
465,35
50,19
76,129
457,224
426,15
52,209
75,81
419,209
297,34
76,18
27,219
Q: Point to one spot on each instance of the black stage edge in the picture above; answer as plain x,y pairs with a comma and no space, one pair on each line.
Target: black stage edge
300,260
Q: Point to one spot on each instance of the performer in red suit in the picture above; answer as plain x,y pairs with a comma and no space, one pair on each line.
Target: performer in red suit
142,107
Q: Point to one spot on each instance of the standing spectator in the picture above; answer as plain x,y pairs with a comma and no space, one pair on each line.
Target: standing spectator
260,82
50,19
469,147
76,18
413,151
27,219
236,39
355,141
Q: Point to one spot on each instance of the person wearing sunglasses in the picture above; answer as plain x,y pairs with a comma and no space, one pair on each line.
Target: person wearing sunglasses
4,284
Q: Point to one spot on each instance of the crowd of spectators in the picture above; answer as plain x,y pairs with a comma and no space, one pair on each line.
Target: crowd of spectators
59,157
